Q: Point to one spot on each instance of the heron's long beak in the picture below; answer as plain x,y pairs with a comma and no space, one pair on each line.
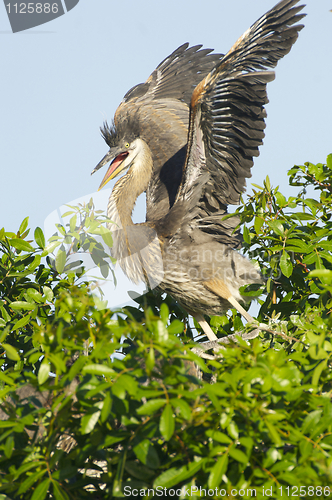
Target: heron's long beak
114,169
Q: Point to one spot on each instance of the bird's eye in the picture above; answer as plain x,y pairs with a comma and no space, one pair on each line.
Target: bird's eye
127,145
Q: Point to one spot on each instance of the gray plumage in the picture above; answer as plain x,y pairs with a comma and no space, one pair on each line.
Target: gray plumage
188,136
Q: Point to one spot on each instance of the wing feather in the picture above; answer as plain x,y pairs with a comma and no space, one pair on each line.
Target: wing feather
175,77
227,114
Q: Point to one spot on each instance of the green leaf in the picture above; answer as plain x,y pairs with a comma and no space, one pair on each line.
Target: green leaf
215,400
318,371
233,430
286,265
311,421
111,440
329,161
88,421
281,200
273,433
306,448
50,248
20,304
175,327
267,183
238,455
41,490
5,314
125,383
146,453
150,360
3,334
259,221
27,484
24,225
44,372
325,275
20,244
218,471
66,214
218,436
297,245
167,424
39,237
254,290
277,227
72,223
107,237
35,295
4,424
9,446
176,475
76,367
58,492
183,406
11,352
257,186
117,483
161,331
97,369
164,313
34,357
139,471
107,406
35,263
246,235
60,259
7,381
61,229
151,406
303,216
47,291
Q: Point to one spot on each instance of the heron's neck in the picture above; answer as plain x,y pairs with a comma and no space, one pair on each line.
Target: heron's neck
129,187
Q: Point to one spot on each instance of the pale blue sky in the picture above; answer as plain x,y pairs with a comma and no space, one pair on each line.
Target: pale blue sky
61,80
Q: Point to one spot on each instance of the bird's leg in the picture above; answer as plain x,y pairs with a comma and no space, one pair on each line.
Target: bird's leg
241,309
205,326
220,288
247,316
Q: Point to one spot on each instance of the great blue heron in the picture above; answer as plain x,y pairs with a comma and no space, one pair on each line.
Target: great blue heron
187,136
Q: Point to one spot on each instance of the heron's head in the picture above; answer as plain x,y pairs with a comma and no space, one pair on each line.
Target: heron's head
125,148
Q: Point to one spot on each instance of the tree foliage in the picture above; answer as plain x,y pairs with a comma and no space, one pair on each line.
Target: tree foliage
79,420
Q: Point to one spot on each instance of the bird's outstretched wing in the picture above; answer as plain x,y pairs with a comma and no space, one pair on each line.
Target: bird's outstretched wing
227,115
160,109
174,78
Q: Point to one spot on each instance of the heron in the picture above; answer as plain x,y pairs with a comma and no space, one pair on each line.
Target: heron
187,137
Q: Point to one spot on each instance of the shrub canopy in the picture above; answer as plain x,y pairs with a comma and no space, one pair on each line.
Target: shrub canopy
86,415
